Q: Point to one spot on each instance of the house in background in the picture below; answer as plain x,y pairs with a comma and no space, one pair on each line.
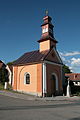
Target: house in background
74,77
10,70
40,72
7,72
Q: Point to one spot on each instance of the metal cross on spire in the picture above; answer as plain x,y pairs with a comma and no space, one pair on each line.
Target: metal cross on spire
46,12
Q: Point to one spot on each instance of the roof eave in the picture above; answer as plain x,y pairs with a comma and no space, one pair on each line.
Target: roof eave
28,63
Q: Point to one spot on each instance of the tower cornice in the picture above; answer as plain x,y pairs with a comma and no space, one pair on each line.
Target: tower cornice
47,38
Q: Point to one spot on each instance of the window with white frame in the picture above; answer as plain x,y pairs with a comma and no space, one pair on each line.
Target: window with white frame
27,78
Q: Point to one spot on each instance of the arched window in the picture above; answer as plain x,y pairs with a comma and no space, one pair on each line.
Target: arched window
27,78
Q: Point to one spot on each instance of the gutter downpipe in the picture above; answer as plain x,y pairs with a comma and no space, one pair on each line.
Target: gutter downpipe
44,79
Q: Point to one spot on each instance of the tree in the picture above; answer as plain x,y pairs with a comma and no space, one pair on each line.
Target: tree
66,69
10,63
3,75
65,82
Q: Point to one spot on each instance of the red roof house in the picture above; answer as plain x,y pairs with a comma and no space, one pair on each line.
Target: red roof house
75,77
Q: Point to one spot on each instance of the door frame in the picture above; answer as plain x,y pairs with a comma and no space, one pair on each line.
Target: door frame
56,81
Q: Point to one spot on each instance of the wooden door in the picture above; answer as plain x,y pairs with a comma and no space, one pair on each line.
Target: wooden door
53,85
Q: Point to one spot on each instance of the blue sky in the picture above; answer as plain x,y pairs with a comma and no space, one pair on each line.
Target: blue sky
20,29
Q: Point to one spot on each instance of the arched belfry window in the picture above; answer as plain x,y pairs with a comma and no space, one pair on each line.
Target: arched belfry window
27,78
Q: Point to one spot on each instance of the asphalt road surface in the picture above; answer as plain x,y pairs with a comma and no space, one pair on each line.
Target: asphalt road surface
19,109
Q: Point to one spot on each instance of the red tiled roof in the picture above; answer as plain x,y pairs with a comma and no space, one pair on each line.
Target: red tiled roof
73,76
31,57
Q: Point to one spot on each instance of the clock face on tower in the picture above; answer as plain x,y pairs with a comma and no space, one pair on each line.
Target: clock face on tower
45,30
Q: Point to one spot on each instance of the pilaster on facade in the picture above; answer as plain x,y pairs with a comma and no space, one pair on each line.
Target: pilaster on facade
44,80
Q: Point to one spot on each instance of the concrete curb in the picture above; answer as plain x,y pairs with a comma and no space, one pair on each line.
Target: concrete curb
59,98
29,97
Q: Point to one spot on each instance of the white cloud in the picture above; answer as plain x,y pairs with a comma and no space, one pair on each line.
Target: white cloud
75,65
70,53
75,62
65,61
71,68
63,58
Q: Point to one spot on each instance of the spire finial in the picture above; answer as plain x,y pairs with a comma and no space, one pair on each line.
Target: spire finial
46,12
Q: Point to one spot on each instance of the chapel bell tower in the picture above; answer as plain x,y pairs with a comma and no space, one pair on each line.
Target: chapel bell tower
47,40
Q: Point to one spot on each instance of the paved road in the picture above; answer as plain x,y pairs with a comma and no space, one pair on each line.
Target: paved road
20,109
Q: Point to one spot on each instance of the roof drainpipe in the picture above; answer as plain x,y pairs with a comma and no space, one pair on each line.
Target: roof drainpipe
44,80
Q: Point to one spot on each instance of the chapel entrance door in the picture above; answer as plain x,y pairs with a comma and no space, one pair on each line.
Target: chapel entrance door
53,85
